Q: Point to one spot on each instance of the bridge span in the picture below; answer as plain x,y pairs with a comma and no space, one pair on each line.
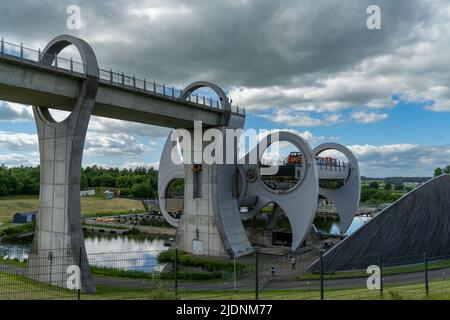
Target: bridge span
25,78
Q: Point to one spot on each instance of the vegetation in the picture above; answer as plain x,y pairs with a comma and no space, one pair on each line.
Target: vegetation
374,196
139,182
90,206
9,231
19,181
206,264
432,265
22,288
134,274
440,171
12,262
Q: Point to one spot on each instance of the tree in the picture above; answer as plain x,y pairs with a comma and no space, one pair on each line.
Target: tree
447,169
374,185
438,172
399,187
388,186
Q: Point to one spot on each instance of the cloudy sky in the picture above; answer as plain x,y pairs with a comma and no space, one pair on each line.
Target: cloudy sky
306,65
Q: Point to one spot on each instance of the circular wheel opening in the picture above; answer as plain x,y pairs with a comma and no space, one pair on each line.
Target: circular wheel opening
68,59
174,198
282,167
333,168
206,96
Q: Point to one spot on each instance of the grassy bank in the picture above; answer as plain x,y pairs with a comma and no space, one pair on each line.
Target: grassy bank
433,265
9,231
90,206
205,263
21,288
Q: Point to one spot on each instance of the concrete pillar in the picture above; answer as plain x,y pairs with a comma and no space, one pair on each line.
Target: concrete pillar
211,223
59,241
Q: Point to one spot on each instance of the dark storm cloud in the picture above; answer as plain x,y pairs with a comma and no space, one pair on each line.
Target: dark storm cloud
235,43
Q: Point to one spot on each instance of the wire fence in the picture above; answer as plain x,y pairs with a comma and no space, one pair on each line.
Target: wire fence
71,274
58,63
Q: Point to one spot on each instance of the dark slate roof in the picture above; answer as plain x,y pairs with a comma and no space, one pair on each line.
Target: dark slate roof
416,224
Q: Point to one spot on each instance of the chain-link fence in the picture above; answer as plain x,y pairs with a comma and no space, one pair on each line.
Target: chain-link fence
71,274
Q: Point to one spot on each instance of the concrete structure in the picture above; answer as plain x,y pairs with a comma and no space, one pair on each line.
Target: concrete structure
27,80
227,188
346,198
45,79
212,219
254,192
58,233
417,223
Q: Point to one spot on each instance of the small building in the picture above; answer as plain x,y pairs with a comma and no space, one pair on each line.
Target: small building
25,217
87,193
109,194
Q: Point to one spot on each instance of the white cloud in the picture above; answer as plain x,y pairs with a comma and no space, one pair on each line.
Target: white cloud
118,144
368,117
112,126
301,119
15,112
17,141
400,159
17,160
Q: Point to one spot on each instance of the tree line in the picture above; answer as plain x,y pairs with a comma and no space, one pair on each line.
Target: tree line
440,171
139,182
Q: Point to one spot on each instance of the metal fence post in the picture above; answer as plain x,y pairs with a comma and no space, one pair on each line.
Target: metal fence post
322,294
21,52
256,274
425,261
176,273
145,85
234,267
79,262
3,46
71,65
380,264
56,62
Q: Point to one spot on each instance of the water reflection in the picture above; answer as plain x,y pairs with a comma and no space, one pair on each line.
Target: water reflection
126,253
331,225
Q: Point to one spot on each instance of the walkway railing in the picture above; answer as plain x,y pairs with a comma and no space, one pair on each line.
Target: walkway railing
117,79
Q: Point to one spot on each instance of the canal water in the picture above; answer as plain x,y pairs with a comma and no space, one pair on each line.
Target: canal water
119,252
140,254
331,225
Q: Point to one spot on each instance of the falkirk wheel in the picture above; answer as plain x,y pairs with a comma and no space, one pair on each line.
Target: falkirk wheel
210,221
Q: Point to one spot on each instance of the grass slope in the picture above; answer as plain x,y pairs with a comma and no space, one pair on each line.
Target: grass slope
89,206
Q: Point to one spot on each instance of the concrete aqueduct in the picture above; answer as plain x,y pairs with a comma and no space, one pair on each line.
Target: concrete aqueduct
212,220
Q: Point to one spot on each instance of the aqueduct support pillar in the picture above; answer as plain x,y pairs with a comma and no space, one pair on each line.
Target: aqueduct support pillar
59,241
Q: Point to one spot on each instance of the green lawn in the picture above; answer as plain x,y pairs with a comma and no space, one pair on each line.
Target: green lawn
433,265
21,288
90,206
